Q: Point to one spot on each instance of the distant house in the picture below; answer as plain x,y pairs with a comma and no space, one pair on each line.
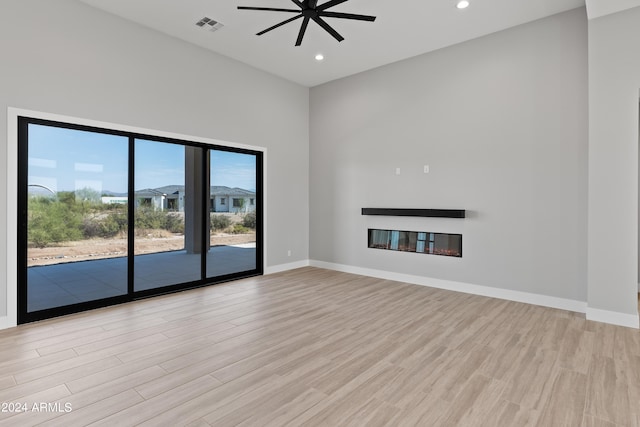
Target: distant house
225,199
156,199
114,200
168,198
171,198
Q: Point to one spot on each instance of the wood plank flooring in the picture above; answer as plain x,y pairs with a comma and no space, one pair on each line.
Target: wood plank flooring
313,347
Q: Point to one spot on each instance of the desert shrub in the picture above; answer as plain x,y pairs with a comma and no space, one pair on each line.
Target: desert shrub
68,198
87,195
158,220
149,218
155,233
109,225
39,238
90,227
65,219
110,207
113,224
52,221
249,220
220,222
173,223
240,229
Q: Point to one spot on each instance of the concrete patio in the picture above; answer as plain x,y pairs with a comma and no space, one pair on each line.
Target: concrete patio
70,283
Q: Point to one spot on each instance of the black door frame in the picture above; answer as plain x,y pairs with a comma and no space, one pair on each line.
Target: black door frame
23,139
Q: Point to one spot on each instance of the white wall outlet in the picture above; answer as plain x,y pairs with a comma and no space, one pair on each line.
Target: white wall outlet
397,171
426,168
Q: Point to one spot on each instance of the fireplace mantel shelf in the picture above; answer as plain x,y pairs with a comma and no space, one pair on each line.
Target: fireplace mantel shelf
432,213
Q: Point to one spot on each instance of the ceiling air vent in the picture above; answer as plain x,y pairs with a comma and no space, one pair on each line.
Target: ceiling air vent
209,24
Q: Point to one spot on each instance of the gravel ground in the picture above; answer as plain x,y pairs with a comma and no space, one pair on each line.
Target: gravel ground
112,248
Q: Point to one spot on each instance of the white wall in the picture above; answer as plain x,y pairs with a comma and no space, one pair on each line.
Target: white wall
614,84
66,58
502,123
222,207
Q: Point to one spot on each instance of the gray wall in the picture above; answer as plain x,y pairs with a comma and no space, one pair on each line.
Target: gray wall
64,57
614,84
502,123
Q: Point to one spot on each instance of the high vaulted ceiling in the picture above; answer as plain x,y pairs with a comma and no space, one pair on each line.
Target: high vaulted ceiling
403,28
598,8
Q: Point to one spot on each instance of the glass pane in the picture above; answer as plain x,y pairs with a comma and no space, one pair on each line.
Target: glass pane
76,216
395,240
166,242
414,241
232,205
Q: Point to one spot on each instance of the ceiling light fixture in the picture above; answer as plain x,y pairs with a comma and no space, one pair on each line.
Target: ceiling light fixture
310,10
319,57
462,4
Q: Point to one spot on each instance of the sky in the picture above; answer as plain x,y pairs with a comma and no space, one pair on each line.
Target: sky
66,159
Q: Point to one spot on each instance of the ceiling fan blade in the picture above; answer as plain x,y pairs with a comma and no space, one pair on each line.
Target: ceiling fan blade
347,16
303,28
329,4
270,9
279,25
328,28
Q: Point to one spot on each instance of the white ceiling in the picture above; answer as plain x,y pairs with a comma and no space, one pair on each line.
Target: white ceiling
403,28
597,8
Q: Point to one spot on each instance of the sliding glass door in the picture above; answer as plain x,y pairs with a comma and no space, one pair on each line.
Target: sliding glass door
77,244
108,216
164,215
233,213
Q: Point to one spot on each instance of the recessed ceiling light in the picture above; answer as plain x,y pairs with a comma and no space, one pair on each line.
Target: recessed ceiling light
462,4
319,57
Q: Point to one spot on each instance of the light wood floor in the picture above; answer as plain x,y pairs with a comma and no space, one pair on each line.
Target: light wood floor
315,347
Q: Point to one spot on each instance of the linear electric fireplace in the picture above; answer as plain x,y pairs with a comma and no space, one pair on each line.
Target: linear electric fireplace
416,241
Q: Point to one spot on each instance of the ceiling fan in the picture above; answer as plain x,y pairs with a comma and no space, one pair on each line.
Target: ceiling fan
310,10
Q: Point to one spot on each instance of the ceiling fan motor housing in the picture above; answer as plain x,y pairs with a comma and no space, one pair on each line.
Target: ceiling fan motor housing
309,10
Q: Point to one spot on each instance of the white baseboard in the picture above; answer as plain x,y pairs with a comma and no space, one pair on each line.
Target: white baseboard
285,267
6,323
604,316
487,291
613,317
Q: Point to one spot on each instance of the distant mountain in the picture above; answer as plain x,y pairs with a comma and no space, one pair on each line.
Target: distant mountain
108,193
